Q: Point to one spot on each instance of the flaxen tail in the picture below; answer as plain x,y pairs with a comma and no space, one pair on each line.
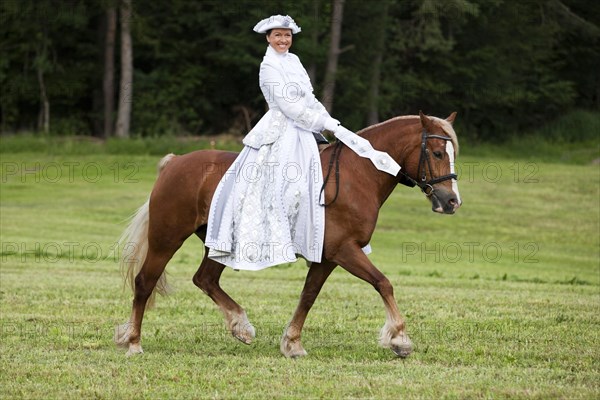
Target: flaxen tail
134,242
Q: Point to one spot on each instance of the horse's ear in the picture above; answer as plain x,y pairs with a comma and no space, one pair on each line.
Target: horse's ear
425,121
451,117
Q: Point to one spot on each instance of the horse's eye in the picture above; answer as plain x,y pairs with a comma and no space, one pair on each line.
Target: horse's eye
438,154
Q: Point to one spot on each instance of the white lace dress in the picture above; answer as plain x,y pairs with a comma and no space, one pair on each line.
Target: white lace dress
266,209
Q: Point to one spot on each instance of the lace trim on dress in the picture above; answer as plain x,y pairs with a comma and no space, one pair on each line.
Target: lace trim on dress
260,232
257,137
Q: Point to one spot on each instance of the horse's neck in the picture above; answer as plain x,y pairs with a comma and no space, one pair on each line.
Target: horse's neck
398,137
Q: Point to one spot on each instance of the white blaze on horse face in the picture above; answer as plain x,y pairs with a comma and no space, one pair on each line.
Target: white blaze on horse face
451,156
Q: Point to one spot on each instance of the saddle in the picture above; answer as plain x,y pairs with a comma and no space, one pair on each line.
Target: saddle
322,142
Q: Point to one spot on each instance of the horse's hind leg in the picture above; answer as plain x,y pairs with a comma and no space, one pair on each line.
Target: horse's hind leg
291,345
207,279
129,334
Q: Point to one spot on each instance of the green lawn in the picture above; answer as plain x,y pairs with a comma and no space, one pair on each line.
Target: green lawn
502,300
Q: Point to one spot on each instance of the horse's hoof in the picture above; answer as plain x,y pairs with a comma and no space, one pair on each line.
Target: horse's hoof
134,348
401,346
299,354
245,333
402,351
294,353
292,349
242,338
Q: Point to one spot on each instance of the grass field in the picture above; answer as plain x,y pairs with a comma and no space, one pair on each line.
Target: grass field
502,300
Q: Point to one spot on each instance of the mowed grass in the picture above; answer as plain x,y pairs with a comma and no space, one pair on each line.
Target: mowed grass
502,299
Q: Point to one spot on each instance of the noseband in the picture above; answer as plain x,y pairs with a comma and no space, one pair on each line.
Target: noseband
425,185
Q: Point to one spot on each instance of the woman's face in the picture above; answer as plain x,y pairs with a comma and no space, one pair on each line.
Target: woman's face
280,39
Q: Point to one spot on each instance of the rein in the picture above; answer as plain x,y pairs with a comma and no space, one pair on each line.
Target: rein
425,185
335,157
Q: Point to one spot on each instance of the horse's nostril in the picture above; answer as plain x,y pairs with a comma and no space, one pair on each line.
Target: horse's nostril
453,202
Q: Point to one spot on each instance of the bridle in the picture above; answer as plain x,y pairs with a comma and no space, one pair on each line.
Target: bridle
425,185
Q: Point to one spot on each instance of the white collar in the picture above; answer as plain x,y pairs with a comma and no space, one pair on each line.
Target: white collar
272,52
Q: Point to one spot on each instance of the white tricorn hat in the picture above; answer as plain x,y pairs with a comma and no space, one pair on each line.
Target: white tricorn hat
277,22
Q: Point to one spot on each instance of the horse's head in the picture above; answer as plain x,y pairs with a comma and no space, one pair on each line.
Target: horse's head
431,164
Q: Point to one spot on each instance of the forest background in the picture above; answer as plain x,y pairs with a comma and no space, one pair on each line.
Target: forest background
89,67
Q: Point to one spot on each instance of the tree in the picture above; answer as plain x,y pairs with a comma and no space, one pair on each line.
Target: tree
334,53
314,39
579,47
108,85
41,65
379,39
126,87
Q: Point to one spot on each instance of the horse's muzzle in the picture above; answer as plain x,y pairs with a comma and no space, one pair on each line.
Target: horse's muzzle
444,202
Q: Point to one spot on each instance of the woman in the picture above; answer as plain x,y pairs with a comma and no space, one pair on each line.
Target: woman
266,208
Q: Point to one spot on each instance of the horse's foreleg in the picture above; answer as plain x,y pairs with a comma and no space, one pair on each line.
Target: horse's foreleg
207,279
291,345
393,335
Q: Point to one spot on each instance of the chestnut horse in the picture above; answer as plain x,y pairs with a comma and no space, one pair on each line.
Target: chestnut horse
179,204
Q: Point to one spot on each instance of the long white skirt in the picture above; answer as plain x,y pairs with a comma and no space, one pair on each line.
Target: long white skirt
266,209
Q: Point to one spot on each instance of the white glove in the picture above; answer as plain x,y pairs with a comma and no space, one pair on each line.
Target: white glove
331,124
361,146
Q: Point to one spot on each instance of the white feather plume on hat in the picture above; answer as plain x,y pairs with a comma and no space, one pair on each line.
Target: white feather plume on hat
277,22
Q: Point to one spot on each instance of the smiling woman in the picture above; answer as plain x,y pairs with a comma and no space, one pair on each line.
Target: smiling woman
270,205
280,39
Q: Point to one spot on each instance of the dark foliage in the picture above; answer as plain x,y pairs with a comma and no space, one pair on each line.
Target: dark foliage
505,66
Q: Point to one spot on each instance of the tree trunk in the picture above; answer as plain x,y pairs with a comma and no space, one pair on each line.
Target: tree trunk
126,87
334,52
108,83
314,38
380,31
44,114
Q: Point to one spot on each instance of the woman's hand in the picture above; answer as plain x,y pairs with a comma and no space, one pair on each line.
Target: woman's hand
331,124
